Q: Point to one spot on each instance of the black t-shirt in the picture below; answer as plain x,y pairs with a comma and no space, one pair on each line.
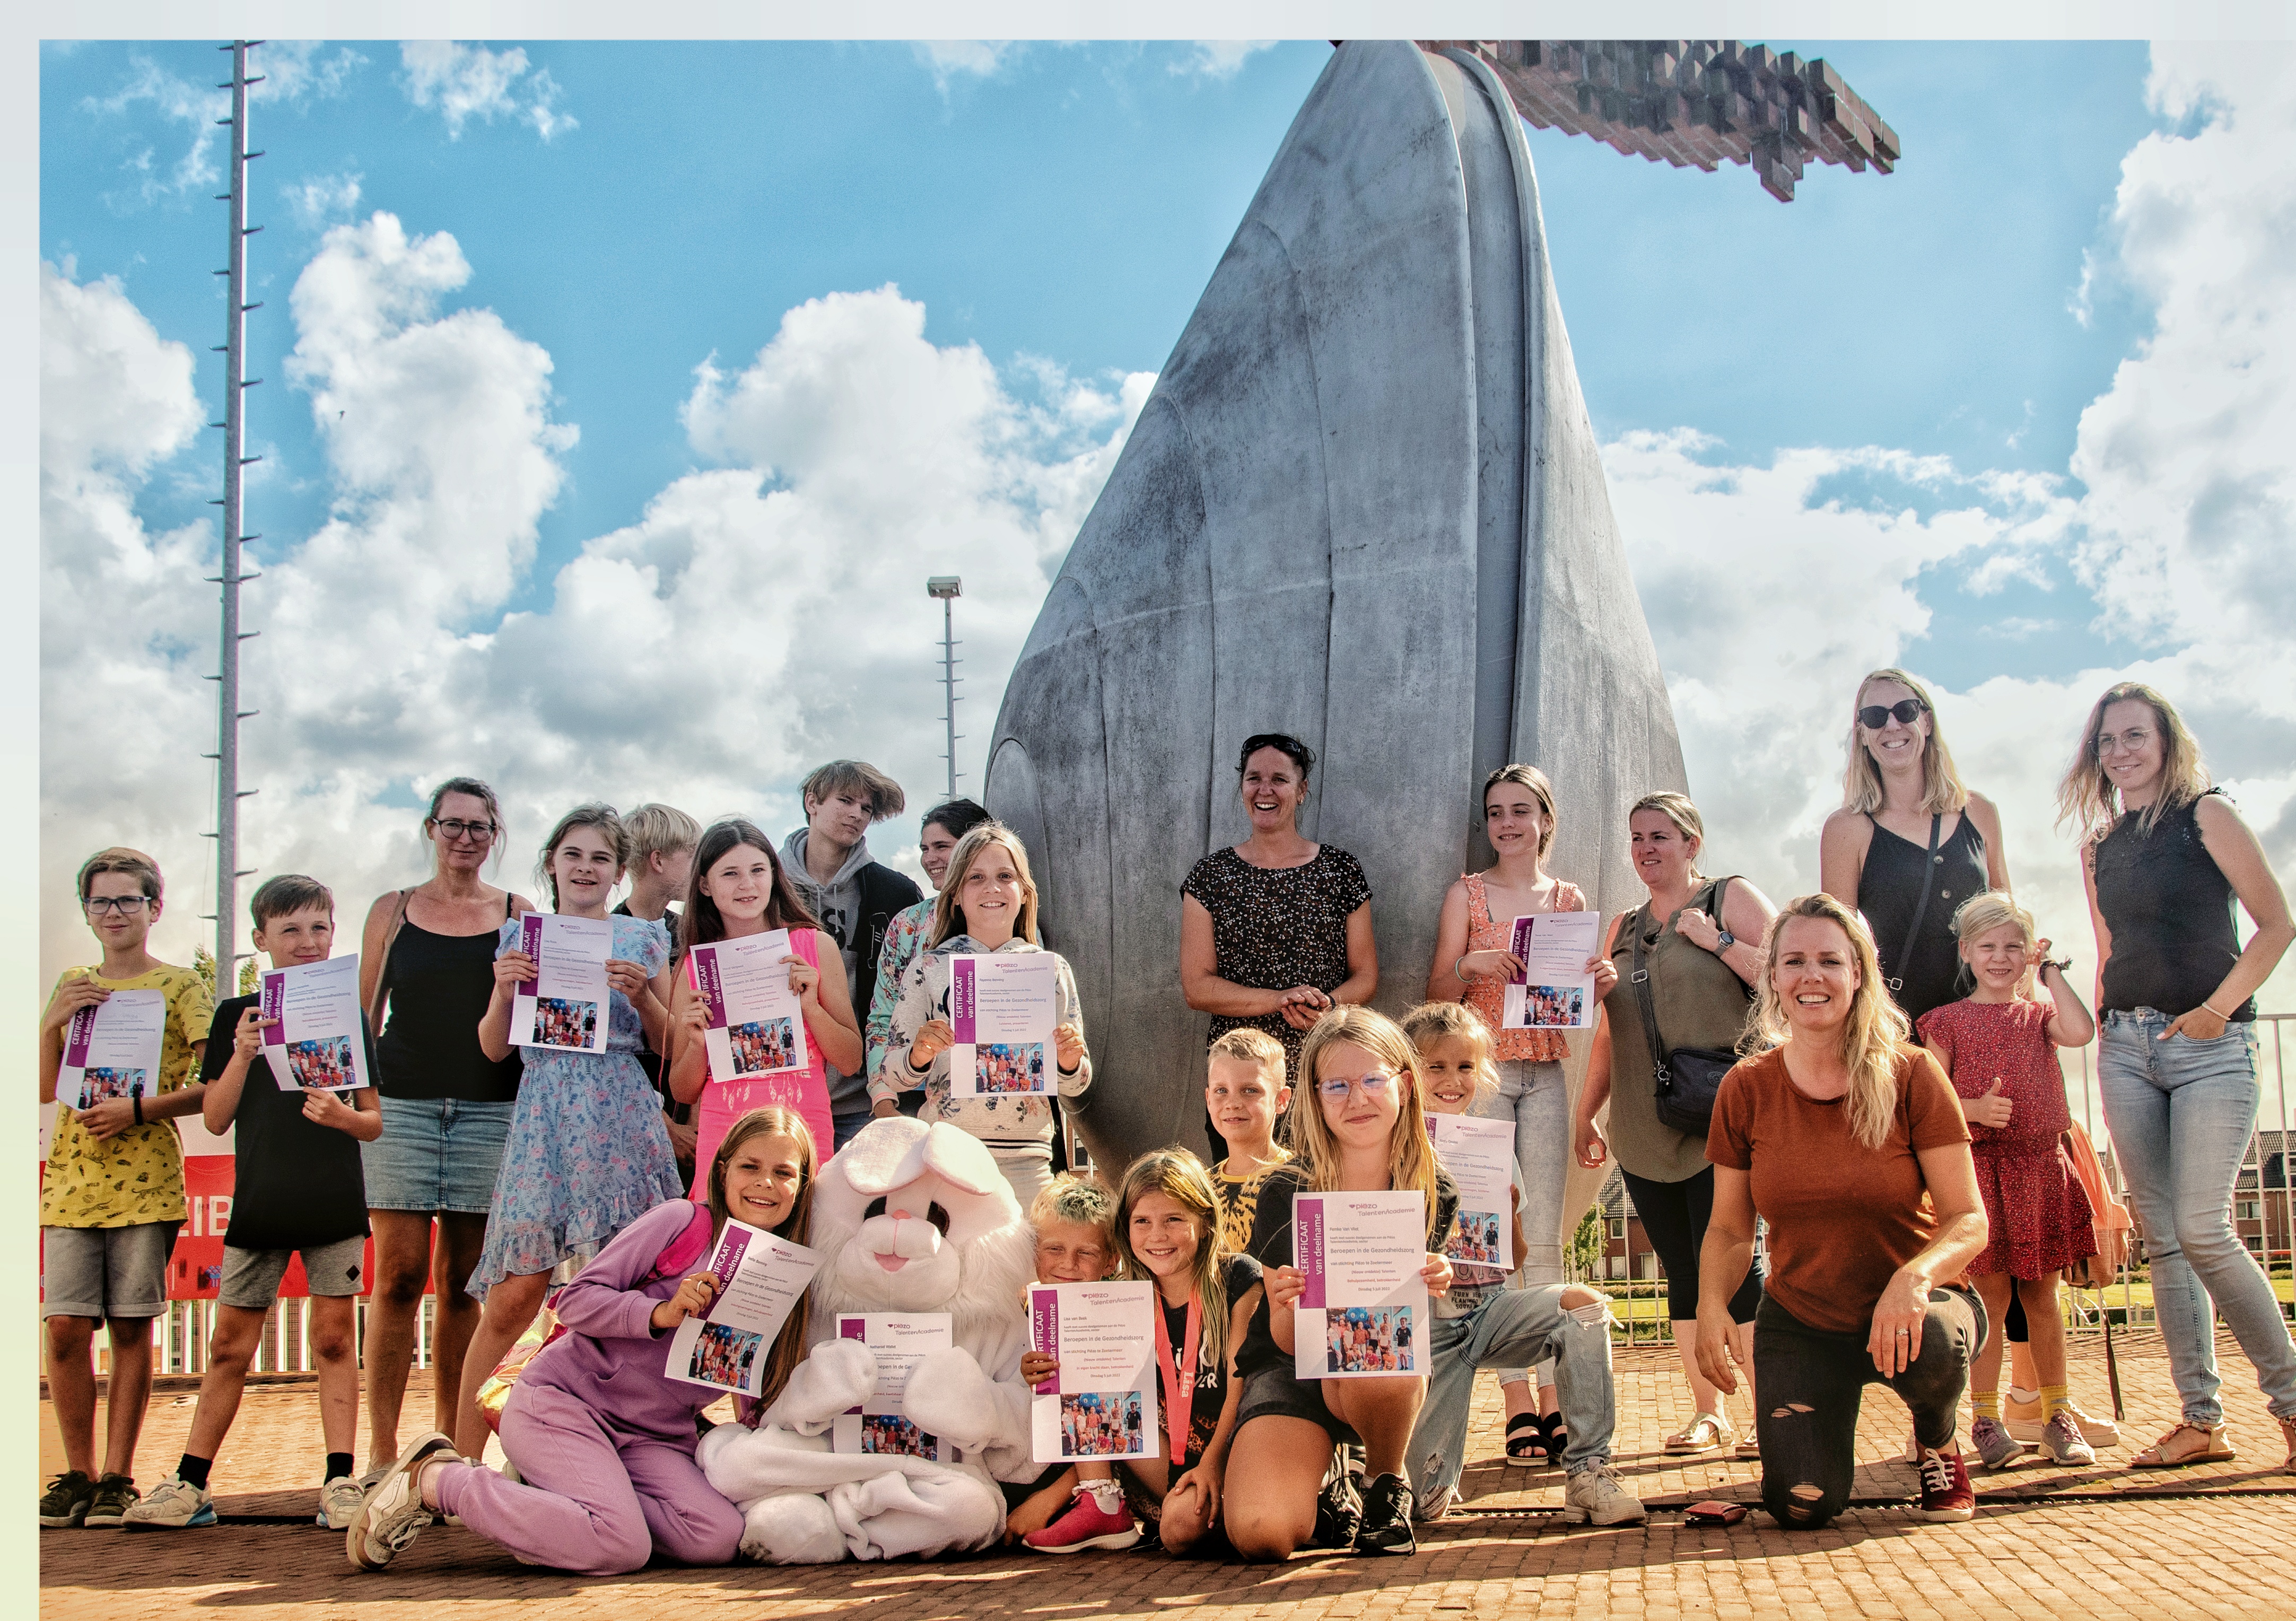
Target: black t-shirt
294,1184
1238,1274
1271,1248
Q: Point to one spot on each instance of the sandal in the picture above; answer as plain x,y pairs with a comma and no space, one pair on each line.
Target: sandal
2186,1444
1703,1433
1524,1443
1557,1437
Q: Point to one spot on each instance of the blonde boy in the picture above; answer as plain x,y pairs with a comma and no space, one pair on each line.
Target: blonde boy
1245,1093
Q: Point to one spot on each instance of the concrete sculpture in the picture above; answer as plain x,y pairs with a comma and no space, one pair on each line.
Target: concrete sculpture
1362,504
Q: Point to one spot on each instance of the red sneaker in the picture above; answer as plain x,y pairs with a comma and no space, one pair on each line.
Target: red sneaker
1096,1518
1946,1491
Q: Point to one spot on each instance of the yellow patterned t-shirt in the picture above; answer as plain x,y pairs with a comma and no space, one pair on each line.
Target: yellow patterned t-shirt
139,1175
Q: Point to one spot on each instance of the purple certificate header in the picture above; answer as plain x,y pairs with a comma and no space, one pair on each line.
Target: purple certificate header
530,941
964,997
1308,1247
1045,1331
709,983
275,1005
1520,946
82,1031
853,1327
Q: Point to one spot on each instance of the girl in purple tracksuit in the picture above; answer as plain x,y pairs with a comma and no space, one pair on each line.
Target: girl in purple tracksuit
602,1439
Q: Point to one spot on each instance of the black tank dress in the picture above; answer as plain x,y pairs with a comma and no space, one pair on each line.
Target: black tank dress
1889,889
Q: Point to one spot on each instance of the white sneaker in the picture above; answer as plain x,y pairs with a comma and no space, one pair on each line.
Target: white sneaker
392,1515
1598,1495
172,1505
338,1499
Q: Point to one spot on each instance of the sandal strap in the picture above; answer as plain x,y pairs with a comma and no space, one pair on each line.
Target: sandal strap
1522,1421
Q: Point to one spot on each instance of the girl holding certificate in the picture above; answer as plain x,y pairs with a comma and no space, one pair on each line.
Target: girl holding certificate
588,1153
986,906
602,1439
1358,1124
739,890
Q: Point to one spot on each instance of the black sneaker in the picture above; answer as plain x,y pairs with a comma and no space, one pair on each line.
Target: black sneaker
66,1501
1338,1512
1386,1526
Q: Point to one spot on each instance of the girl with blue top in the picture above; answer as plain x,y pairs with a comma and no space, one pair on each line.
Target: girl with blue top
588,1152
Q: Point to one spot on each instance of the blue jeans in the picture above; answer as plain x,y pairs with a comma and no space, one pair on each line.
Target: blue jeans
2181,1113
1536,1098
1510,1328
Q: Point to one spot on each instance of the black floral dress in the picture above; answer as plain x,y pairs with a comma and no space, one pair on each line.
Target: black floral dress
1274,928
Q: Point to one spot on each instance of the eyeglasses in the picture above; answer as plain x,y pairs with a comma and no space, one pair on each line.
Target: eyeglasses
2128,740
477,832
1905,713
129,905
1373,1085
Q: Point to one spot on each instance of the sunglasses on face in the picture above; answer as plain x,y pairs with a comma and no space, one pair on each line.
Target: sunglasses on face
1374,1085
1874,717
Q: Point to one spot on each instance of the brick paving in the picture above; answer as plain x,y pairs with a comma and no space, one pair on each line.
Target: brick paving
2103,1542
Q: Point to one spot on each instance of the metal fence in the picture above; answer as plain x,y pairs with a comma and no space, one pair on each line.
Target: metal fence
180,1339
2262,1198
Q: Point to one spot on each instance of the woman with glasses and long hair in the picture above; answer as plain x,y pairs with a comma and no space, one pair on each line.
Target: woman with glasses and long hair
1276,931
427,962
2164,856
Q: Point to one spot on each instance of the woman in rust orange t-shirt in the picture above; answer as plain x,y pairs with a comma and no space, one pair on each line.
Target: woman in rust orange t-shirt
1851,1144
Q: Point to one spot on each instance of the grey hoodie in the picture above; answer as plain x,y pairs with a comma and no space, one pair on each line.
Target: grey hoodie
838,904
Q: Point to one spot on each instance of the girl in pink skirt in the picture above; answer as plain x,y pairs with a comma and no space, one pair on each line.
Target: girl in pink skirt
1999,1045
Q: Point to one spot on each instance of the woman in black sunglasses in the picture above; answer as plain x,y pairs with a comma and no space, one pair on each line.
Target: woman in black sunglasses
1910,844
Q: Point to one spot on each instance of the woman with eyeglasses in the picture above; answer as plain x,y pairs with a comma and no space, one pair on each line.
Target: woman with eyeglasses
1910,844
1276,931
427,958
2164,856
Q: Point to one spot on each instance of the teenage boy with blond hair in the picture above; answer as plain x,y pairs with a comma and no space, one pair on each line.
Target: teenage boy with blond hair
112,1199
297,1189
1245,1095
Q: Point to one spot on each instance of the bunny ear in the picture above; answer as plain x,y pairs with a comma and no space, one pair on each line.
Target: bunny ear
957,1157
886,1155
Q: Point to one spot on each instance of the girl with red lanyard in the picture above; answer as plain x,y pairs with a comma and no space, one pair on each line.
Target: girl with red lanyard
738,889
1168,1228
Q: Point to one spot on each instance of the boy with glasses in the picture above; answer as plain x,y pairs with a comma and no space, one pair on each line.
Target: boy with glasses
111,1198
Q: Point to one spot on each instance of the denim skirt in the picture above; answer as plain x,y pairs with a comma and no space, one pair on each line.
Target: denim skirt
436,1153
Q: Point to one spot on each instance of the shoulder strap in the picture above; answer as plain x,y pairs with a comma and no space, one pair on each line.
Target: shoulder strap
1640,979
1921,907
382,973
683,1251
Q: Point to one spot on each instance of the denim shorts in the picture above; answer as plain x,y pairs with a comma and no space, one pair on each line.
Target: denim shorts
436,1153
106,1273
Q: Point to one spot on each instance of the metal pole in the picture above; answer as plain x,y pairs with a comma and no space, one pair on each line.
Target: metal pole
949,682
236,382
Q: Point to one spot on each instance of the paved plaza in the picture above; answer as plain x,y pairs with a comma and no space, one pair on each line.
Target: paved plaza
2097,1543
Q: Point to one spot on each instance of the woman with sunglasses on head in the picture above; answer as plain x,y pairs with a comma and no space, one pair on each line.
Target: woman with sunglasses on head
2163,856
427,957
1276,931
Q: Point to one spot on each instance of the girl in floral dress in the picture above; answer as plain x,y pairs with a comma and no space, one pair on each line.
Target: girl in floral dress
1999,1046
588,1152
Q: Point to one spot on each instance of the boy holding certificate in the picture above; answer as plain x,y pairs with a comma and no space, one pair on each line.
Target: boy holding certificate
111,1197
296,1190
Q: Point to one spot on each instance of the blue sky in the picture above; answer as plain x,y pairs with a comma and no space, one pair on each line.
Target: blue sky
607,464
1072,205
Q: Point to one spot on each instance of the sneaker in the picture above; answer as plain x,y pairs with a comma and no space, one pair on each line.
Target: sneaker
66,1500
109,1506
175,1504
338,1499
1095,1517
2062,1440
1428,1507
1339,1512
1996,1449
392,1515
1598,1496
1946,1491
1386,1524
2023,1421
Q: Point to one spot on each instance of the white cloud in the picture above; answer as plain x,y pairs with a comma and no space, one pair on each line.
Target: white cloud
1218,58
296,72
469,81
949,59
318,199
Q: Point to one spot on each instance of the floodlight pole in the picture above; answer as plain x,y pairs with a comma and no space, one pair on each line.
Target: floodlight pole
235,383
948,587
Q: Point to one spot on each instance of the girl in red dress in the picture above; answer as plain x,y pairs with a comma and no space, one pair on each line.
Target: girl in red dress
1999,1045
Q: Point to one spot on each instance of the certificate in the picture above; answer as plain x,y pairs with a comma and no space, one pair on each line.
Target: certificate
314,1039
1556,992
760,1278
1479,1156
1363,1311
113,1050
877,1426
1004,1010
566,1004
1101,1403
756,1024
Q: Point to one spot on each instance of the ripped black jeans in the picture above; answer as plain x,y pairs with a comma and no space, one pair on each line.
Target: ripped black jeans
1809,1383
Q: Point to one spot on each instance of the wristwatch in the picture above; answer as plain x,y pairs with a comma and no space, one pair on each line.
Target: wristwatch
2058,963
1724,941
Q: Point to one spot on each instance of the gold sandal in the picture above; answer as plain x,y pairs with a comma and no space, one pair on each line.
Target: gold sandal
2211,1446
1703,1433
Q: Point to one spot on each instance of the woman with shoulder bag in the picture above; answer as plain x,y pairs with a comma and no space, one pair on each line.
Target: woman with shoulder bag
1687,959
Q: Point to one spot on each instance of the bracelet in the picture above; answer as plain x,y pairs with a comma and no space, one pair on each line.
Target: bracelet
138,1101
2226,1017
1456,974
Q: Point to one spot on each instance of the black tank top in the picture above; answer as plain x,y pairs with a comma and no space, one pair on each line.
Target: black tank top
1889,890
2168,906
440,986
